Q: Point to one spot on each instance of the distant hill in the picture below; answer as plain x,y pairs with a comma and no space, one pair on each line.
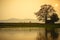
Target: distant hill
14,20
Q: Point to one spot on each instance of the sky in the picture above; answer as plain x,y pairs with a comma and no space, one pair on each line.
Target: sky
24,9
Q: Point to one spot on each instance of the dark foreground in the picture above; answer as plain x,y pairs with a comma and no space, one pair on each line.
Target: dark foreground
4,25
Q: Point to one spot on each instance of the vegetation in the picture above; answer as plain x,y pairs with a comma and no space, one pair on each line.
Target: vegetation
13,25
47,11
48,14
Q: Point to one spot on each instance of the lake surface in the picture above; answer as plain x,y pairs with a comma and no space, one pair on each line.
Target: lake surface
27,33
20,33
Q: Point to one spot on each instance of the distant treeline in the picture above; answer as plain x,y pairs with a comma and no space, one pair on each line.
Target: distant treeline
8,25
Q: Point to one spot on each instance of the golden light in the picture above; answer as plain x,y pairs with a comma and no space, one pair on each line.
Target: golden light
56,5
24,9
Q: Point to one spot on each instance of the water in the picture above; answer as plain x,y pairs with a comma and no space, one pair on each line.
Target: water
19,33
27,33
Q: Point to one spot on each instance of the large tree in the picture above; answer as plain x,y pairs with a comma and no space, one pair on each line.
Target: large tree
47,12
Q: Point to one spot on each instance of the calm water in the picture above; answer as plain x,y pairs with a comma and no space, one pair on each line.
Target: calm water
22,33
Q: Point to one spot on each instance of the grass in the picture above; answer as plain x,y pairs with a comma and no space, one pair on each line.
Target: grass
8,25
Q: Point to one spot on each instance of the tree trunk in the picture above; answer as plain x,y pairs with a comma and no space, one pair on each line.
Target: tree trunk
46,27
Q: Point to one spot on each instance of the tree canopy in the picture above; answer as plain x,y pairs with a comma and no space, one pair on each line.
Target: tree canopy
46,12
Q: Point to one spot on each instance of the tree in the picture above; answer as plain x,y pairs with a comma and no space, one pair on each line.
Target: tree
45,13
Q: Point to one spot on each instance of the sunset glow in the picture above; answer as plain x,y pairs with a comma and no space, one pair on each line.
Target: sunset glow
24,9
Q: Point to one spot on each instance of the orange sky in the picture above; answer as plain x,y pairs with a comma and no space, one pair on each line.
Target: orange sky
24,9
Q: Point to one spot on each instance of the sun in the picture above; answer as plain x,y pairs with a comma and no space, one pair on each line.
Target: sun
56,5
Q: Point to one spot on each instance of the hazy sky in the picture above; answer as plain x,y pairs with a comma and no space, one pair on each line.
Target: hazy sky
24,9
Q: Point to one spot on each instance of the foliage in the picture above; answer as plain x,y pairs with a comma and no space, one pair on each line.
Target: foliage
46,11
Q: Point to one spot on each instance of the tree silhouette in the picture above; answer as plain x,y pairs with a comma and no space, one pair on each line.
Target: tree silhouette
48,14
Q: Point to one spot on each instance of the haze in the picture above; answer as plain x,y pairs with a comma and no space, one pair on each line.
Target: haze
24,9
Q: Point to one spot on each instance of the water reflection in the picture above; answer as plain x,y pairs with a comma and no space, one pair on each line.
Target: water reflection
29,33
19,33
